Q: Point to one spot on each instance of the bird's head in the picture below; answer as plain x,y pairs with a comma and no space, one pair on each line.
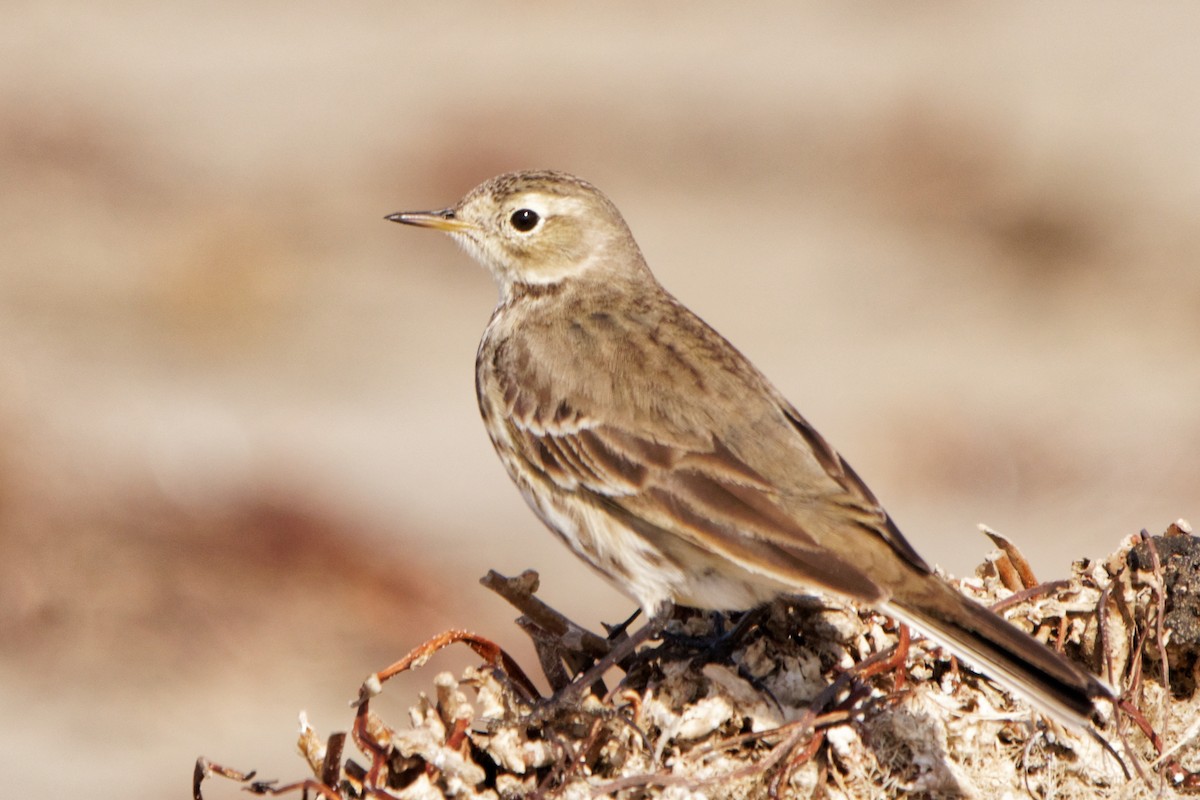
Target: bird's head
537,228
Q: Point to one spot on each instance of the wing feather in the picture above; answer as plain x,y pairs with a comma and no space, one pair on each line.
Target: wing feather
693,444
710,500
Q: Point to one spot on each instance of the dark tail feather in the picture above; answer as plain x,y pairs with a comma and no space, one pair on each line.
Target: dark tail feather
1001,651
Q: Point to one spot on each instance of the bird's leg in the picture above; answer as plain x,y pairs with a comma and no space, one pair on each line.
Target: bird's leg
725,642
613,631
573,692
699,642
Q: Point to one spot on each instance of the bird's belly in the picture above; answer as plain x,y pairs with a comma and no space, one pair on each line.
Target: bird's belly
650,575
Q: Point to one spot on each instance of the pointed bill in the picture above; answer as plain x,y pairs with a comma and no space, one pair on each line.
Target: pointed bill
444,220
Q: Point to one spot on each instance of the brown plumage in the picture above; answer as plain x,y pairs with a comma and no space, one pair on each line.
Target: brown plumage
661,456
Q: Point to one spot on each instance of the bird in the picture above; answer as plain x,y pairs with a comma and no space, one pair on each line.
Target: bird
661,456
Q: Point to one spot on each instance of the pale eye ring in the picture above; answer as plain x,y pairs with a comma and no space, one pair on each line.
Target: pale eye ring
524,219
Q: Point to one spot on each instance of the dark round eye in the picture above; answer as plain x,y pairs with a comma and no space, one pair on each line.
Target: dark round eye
524,219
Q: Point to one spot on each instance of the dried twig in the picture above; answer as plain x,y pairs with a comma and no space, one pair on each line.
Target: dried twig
485,648
1013,556
519,592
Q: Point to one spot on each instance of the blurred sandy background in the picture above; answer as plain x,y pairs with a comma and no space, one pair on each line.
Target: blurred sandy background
242,464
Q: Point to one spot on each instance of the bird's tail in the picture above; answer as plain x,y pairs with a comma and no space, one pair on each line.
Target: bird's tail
1001,651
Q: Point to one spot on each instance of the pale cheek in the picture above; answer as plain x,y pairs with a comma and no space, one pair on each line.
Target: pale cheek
481,254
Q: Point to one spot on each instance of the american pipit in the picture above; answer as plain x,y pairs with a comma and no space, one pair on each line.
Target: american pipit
662,457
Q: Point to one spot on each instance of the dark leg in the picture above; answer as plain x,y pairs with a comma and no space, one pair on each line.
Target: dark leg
572,693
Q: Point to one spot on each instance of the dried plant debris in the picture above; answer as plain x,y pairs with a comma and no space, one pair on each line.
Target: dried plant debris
1169,567
802,698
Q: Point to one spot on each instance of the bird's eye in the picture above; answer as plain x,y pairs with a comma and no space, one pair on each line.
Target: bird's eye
524,219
